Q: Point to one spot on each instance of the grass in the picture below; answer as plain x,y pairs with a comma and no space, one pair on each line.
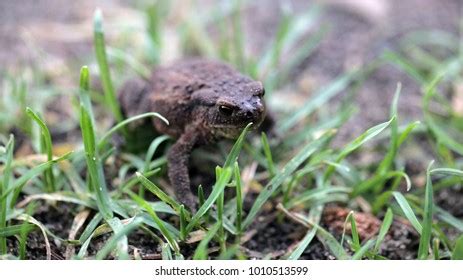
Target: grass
97,183
282,181
100,51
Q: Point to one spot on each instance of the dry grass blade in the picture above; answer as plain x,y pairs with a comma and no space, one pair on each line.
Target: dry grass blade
77,224
30,219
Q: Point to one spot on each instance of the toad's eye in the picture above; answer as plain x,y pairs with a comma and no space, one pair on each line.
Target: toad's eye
226,110
260,92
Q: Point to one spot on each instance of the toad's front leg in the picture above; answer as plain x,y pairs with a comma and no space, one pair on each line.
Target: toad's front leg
177,164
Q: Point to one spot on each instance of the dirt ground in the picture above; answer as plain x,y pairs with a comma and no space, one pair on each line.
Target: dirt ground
31,32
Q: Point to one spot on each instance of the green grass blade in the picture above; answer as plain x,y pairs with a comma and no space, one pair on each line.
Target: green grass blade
435,248
320,97
330,241
302,53
386,163
447,171
238,36
362,139
234,153
442,135
201,250
202,199
4,189
449,218
220,215
88,132
303,244
316,194
16,229
94,164
387,222
268,155
90,227
165,232
125,122
407,209
423,250
290,32
35,171
438,128
159,193
183,223
134,180
155,13
166,252
285,173
363,250
24,232
457,253
217,190
323,236
404,65
406,132
354,231
377,179
99,42
196,36
46,136
354,145
272,57
239,200
84,89
149,221
117,237
129,60
152,150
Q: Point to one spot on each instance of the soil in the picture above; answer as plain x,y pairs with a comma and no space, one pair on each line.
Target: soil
268,237
358,33
58,219
450,199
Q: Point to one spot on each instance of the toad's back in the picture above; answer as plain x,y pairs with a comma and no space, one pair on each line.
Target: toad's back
169,89
189,76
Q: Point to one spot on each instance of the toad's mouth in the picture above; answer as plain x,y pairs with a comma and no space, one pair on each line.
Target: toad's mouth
232,131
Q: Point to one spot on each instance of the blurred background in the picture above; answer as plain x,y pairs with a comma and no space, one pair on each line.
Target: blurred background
48,40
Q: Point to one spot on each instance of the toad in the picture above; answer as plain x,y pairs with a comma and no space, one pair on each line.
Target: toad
204,101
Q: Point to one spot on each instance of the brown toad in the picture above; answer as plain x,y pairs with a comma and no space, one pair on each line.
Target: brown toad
204,101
